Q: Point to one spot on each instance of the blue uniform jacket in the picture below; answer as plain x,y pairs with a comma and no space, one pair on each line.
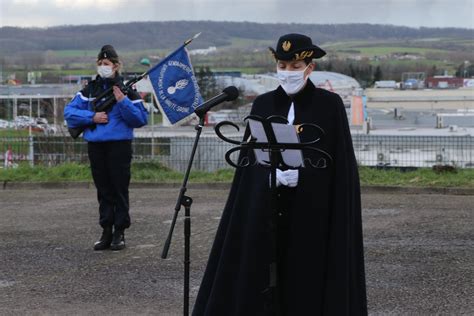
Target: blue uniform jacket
122,118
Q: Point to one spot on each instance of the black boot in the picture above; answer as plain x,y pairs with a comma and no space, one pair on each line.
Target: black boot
105,240
118,240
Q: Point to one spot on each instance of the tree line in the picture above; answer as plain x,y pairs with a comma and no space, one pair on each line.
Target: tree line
167,35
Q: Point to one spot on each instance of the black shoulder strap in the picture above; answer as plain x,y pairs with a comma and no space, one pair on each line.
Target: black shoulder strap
132,94
90,90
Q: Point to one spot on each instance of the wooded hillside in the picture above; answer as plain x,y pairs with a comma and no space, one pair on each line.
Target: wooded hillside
166,35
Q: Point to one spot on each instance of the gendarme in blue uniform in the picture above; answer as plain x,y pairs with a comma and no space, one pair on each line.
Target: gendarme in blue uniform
110,153
122,118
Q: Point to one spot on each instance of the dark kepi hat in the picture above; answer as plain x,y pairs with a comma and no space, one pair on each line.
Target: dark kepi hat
107,51
296,47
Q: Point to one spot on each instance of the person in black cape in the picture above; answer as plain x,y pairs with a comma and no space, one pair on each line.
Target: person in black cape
319,228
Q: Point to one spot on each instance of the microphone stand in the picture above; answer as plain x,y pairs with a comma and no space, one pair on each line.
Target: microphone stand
228,94
186,202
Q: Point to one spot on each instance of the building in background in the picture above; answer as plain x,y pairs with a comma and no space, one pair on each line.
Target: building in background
444,82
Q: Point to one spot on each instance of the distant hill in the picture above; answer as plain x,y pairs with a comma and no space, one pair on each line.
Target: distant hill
167,35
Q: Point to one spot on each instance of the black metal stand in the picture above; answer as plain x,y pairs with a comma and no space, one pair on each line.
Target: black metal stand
275,151
186,202
273,295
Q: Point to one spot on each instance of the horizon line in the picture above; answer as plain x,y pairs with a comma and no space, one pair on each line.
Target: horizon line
227,21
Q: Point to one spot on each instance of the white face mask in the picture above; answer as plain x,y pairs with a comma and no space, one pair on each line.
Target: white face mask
292,81
105,71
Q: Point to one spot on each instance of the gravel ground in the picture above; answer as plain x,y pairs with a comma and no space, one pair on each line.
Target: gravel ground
419,253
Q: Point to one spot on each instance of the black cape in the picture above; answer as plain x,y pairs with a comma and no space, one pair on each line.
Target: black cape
324,264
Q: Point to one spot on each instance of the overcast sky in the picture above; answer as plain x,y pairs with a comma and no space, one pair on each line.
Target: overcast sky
413,13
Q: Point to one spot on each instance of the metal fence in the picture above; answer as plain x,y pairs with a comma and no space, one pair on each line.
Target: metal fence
414,151
174,152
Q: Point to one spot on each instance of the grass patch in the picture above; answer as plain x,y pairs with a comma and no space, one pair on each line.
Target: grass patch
244,70
141,172
85,71
16,140
415,64
423,177
370,51
350,44
157,119
245,43
372,48
153,172
61,173
17,132
76,53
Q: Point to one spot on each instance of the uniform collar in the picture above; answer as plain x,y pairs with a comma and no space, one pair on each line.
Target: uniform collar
109,81
301,95
301,101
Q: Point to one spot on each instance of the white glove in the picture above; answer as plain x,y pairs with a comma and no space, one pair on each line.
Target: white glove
281,180
290,176
287,178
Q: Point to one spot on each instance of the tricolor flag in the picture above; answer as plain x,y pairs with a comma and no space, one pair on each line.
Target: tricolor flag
175,86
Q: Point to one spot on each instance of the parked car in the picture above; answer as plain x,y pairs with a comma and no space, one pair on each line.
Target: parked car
41,120
386,84
412,84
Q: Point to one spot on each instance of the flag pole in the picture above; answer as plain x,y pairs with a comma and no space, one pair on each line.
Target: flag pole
186,202
188,41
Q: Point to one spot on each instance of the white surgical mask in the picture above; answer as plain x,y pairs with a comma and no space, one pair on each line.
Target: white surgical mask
105,71
292,81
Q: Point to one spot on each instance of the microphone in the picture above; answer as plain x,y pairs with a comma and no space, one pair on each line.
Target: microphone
228,94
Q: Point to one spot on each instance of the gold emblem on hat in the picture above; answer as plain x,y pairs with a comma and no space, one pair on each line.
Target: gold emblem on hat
304,54
286,46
